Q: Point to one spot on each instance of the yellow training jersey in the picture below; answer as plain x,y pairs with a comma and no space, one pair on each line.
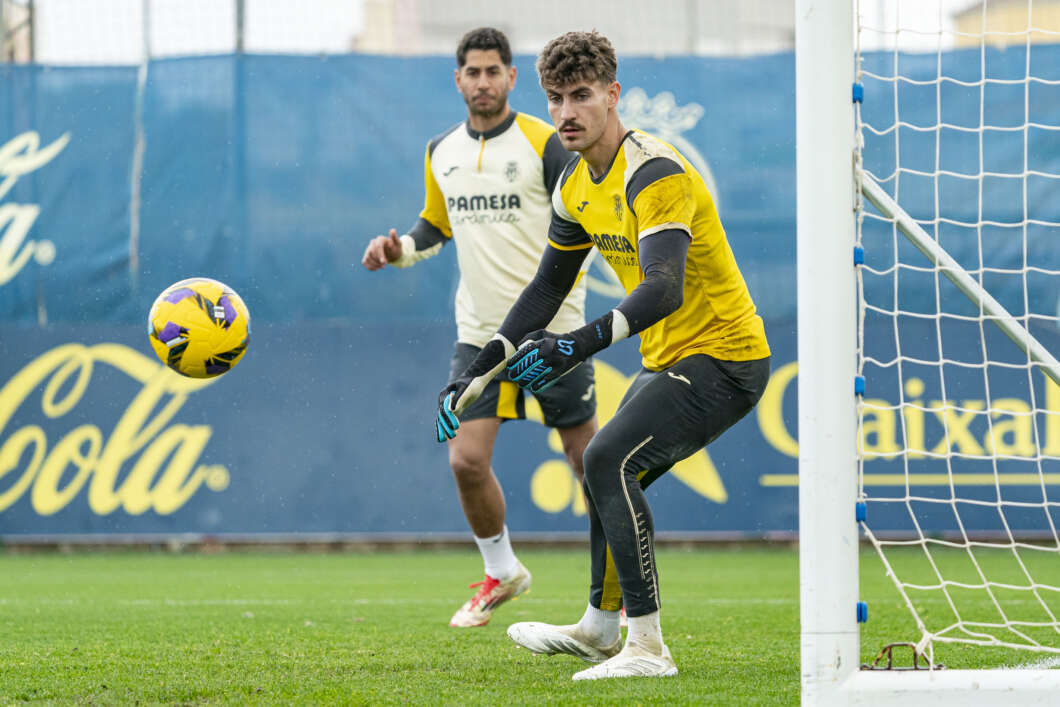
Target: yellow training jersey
650,187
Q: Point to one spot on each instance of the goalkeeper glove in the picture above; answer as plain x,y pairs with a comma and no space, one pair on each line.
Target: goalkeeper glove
460,393
543,357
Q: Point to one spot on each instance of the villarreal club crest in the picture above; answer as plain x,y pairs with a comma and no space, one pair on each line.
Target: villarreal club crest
199,327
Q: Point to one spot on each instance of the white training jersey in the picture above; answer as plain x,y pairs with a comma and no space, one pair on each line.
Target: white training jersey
491,193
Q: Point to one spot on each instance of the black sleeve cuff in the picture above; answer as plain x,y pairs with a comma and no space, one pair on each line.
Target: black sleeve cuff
426,235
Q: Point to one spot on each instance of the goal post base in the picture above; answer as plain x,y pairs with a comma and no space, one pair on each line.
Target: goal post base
968,688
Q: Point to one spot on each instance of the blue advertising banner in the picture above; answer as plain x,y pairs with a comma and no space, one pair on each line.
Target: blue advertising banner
323,427
327,427
271,173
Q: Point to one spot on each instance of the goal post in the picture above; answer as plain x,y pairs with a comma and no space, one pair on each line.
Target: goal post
824,130
835,195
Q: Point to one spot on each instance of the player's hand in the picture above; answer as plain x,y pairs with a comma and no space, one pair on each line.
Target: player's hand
461,392
543,358
381,251
447,423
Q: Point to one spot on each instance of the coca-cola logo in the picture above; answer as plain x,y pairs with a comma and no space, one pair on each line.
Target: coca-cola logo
147,463
18,157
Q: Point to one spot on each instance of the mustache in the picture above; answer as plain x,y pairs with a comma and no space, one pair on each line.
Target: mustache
570,124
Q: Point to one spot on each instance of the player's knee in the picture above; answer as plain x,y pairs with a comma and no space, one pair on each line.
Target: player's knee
468,464
577,466
598,463
574,442
575,455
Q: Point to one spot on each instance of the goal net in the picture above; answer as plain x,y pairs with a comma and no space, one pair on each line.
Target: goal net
954,255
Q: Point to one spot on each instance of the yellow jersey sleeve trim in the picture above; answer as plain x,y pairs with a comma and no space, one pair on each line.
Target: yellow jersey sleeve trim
537,131
434,211
580,246
673,225
664,202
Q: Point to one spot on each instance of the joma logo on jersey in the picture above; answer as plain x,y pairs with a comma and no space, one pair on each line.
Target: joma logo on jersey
481,202
608,242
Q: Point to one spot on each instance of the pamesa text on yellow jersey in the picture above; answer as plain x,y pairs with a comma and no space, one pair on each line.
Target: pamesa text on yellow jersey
650,187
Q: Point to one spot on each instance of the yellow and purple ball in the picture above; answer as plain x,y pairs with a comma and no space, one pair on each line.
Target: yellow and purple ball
199,327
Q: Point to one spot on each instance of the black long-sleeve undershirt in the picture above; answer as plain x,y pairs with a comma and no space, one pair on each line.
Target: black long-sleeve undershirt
542,297
662,257
661,293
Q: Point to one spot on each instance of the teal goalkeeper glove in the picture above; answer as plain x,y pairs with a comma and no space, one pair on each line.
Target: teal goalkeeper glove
460,393
543,357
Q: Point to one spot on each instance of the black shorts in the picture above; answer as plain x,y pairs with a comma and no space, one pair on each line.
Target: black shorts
666,416
568,403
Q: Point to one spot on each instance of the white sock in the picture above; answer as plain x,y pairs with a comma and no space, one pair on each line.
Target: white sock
498,556
600,625
645,632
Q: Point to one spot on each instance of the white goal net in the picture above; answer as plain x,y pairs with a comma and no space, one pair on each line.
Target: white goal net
957,113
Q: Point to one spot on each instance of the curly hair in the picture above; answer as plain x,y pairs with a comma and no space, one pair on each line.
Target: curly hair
484,38
577,56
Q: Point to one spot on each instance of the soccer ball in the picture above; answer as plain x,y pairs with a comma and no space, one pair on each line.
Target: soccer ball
199,327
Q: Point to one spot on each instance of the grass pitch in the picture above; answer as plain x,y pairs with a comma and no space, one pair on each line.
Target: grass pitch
289,628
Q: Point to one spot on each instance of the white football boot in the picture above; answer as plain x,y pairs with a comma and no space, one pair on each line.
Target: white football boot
632,662
491,593
547,639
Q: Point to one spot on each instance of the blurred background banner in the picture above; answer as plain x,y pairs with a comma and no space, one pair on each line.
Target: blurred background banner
270,173
326,428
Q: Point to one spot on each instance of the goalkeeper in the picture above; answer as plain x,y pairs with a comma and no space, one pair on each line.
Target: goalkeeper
488,184
705,356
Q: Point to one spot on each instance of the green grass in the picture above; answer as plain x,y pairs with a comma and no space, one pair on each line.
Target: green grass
288,628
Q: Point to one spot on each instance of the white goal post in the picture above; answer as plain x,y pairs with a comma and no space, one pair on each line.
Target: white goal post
831,188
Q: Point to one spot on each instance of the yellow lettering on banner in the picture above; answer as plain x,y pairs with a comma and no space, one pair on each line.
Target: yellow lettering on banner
177,482
130,435
879,434
11,453
80,362
1011,432
1052,418
1017,427
47,498
15,222
770,410
913,416
956,425
164,476
19,156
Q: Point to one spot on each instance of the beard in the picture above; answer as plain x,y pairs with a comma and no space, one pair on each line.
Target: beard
489,109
